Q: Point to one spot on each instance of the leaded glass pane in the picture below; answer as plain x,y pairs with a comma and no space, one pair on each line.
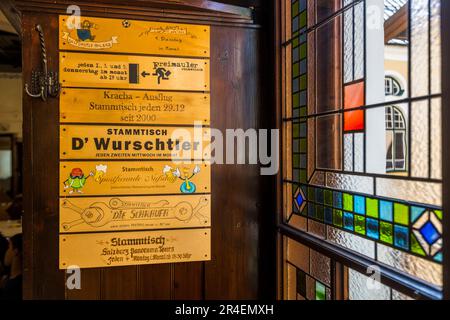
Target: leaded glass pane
366,159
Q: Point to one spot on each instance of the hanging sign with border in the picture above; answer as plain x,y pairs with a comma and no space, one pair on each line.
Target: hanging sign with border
86,214
133,36
105,178
131,142
90,250
134,107
133,72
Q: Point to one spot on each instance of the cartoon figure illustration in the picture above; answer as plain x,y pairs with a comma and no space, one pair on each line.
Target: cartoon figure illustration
187,186
76,180
84,33
162,74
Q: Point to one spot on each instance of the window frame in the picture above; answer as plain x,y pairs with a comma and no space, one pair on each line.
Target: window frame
341,256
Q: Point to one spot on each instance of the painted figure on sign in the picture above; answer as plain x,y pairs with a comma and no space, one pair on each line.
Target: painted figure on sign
162,73
187,186
84,33
76,181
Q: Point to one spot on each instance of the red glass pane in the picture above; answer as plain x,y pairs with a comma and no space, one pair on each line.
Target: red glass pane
354,95
354,120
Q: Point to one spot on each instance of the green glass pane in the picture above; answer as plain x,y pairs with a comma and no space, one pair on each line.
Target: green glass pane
296,100
303,178
372,207
320,291
295,7
337,218
303,82
296,160
320,213
386,232
311,194
296,70
438,214
303,49
295,42
360,224
328,197
303,19
348,202
303,147
296,130
401,214
416,247
303,112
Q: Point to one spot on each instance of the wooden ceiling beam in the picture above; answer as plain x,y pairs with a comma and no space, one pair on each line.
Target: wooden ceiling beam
9,10
397,25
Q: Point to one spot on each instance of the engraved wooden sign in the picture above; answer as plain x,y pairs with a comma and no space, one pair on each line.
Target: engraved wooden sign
87,214
105,178
133,72
90,250
133,36
131,142
134,107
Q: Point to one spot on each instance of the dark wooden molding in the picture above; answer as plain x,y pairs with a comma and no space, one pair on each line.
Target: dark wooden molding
187,11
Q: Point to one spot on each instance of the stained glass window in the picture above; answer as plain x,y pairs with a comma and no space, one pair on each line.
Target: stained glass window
362,143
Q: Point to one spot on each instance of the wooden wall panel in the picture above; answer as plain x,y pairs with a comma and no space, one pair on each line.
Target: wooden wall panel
120,283
235,103
155,282
41,174
188,281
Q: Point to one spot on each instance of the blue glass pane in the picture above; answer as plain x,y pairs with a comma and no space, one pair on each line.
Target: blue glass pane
328,215
360,204
348,221
416,212
401,237
386,211
429,233
337,200
372,228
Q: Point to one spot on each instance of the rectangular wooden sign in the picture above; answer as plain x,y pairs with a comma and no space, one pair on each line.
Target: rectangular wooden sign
133,72
120,142
86,214
133,36
134,107
107,178
92,250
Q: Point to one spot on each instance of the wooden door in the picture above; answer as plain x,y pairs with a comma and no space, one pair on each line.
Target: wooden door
242,237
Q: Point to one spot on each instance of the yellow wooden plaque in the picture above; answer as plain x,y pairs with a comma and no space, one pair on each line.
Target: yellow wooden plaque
86,214
133,72
134,107
133,36
92,250
130,142
106,178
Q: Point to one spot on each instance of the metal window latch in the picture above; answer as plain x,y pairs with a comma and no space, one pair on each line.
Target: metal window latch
44,84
